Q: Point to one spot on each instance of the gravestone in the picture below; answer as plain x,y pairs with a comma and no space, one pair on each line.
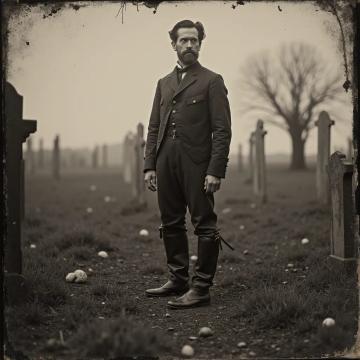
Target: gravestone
139,184
41,161
95,157
324,124
56,158
29,158
343,247
240,159
128,158
105,156
260,188
17,131
251,158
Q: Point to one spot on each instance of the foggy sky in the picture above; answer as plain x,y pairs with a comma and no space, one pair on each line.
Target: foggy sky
91,79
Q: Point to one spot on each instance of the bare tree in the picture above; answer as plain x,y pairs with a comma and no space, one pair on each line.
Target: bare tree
289,89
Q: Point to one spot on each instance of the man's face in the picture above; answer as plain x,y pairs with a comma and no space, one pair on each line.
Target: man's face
187,45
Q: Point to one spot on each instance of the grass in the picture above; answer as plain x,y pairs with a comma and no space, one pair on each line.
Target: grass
115,338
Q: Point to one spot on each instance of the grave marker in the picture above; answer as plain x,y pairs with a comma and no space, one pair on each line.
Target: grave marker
17,131
240,159
343,245
260,188
322,181
56,158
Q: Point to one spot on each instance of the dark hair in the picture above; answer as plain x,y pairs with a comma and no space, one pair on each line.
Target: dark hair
187,24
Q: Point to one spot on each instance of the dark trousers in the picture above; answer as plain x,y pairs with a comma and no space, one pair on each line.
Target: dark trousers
180,184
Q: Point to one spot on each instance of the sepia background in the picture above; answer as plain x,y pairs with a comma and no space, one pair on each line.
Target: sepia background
90,75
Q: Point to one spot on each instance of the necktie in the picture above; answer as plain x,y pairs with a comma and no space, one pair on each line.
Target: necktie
180,71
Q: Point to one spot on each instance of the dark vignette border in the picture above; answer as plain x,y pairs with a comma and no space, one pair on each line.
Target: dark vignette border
53,8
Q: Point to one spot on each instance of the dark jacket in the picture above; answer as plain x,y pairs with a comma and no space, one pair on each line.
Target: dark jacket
200,108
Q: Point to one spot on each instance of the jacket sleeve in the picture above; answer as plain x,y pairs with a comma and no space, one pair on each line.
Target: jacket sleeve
220,126
153,130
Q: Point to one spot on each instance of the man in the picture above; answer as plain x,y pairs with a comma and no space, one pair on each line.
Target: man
186,156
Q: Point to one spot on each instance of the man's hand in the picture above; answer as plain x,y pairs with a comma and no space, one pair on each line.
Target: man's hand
211,184
150,180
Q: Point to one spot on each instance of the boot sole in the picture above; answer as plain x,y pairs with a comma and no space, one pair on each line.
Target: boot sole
182,292
179,307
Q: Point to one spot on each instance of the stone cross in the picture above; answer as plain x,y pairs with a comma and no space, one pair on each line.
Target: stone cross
56,158
95,157
260,188
343,245
139,147
322,180
128,158
240,159
17,131
29,159
41,160
104,156
251,158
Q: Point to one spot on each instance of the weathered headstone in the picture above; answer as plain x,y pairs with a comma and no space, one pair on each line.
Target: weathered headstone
105,156
29,158
324,124
240,159
17,130
128,158
343,245
139,184
260,188
95,157
251,158
56,158
41,160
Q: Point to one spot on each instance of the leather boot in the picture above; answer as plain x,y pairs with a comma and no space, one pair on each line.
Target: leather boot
168,289
177,254
205,268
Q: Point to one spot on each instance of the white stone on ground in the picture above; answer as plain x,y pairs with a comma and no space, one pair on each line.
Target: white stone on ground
32,246
107,199
328,322
226,210
144,232
70,277
187,350
245,252
89,210
253,205
305,241
241,344
205,332
103,254
241,227
92,187
290,265
80,276
193,258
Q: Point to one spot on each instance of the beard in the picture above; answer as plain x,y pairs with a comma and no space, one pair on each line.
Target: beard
188,57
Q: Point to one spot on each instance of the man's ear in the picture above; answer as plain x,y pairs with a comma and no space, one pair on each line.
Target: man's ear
173,45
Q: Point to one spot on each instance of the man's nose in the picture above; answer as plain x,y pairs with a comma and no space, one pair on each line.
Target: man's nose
189,44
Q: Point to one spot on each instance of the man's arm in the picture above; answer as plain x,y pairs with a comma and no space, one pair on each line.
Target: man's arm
153,129
221,127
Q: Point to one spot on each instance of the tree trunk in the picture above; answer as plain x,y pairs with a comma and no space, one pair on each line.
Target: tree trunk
298,151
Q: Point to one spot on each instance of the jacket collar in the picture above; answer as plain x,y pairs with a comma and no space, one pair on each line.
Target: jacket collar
189,78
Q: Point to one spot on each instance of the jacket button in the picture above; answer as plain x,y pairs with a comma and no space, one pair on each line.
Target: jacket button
174,101
194,101
174,111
